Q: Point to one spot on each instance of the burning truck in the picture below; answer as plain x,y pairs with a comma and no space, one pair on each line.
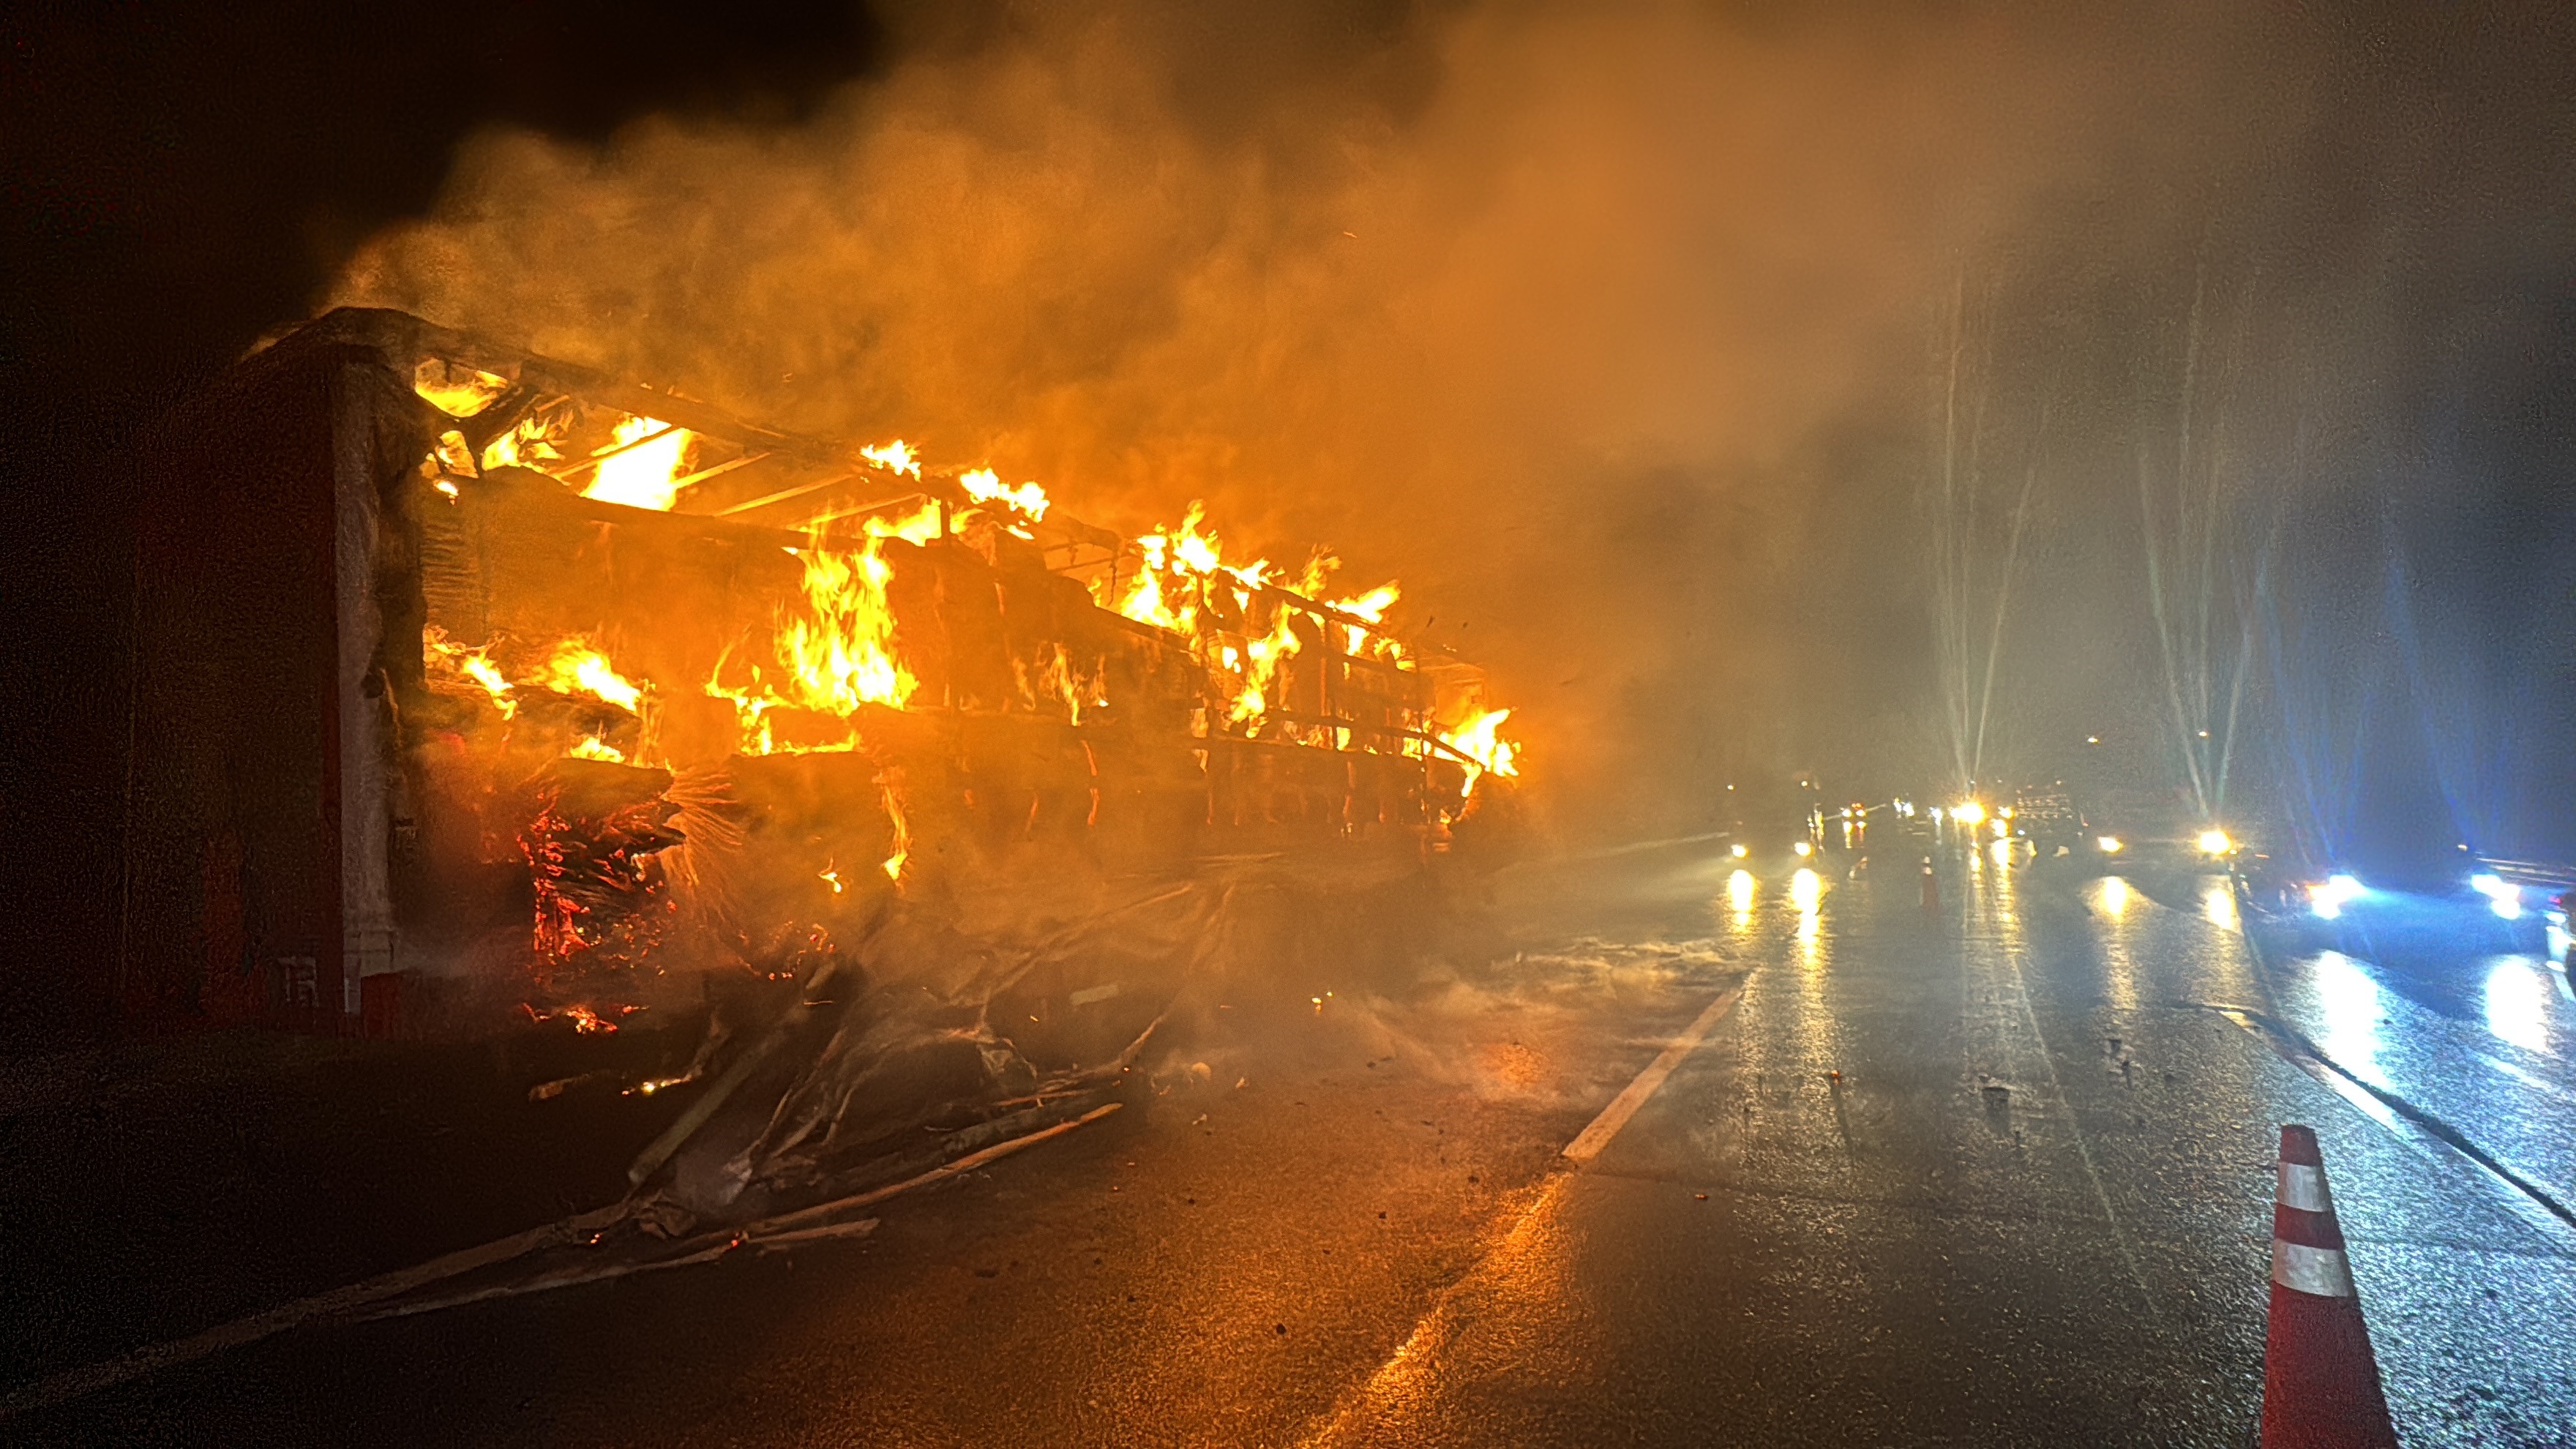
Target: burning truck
473,687
462,668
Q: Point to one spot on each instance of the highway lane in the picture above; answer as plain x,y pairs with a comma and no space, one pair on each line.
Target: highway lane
1995,1173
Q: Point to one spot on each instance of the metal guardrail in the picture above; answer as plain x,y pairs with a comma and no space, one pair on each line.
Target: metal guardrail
2532,874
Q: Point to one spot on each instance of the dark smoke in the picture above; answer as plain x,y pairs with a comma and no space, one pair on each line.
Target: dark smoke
1623,335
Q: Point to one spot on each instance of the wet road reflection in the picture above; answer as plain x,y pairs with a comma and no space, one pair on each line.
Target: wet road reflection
2518,1003
1997,1155
2349,999
1985,1171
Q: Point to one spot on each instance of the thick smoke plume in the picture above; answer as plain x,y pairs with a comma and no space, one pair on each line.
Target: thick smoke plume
1604,328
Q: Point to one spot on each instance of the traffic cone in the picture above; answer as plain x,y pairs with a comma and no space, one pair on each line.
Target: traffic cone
1931,887
2320,1382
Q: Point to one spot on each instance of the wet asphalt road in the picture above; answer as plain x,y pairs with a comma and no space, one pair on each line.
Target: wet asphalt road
2032,1208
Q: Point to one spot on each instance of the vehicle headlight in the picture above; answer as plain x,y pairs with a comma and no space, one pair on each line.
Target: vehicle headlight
2503,896
2328,897
1739,851
2110,844
1803,848
2215,842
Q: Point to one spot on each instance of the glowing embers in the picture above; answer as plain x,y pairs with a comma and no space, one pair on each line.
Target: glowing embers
592,841
583,1019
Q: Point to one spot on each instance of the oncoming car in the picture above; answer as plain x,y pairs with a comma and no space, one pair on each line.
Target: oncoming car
2479,904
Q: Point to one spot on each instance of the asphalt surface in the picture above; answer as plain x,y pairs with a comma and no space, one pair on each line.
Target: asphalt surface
1998,1172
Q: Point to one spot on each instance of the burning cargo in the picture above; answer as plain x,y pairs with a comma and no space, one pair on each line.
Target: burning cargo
470,682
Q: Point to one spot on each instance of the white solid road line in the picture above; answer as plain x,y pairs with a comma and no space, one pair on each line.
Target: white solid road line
1615,1116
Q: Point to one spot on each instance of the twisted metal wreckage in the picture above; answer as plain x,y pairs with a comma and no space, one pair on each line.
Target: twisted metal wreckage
470,682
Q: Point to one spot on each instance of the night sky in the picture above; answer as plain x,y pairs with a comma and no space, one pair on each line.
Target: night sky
2038,318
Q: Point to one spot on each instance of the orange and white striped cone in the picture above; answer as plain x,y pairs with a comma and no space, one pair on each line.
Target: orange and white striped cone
2320,1380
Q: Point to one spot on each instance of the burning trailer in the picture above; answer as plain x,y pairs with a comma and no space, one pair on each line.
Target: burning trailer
472,686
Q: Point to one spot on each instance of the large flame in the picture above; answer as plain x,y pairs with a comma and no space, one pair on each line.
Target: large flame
837,652
840,653
643,467
1477,737
834,652
1178,565
1185,572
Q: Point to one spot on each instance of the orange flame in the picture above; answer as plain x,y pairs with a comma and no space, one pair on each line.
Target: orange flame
919,526
837,653
1478,739
840,655
1371,606
474,665
577,668
647,473
894,457
455,389
528,445
592,747
902,837
985,486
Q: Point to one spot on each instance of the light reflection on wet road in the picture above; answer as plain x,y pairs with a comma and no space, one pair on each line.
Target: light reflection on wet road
1996,1174
1993,1173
